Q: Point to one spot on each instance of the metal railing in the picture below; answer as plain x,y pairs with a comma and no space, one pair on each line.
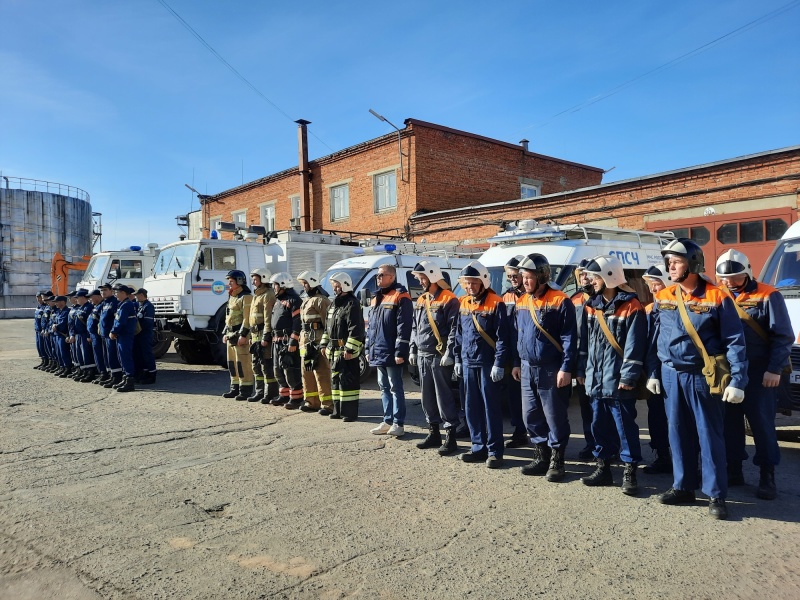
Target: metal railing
37,185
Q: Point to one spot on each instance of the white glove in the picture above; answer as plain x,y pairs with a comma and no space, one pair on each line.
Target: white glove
733,395
653,386
446,361
458,370
412,360
497,374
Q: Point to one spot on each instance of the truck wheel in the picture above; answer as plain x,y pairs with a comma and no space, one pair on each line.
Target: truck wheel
218,355
364,370
160,347
192,352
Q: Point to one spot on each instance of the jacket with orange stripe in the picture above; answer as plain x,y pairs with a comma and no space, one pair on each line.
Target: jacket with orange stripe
286,316
765,304
603,368
556,314
713,315
444,309
389,330
470,349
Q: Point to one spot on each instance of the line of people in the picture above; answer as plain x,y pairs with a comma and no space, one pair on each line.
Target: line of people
105,337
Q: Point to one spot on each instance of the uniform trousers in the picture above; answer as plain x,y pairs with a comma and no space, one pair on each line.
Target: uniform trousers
125,354
143,358
85,353
513,393
615,430
657,423
40,346
287,372
545,405
484,410
345,385
317,383
585,404
111,355
438,403
240,366
97,351
63,350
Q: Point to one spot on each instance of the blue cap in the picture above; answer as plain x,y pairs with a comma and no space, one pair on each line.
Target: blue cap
82,293
61,298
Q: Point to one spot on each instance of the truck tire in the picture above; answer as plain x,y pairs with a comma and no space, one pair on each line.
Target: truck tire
364,370
193,352
160,347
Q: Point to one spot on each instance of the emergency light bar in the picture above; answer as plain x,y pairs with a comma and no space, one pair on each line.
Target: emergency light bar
376,249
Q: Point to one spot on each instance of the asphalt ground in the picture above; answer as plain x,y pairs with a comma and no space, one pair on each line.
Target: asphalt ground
175,492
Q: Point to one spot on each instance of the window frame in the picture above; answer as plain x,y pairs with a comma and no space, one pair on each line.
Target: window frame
344,185
377,209
262,208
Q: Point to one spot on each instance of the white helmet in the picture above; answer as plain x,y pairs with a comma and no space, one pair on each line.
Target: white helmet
283,279
657,272
609,268
261,272
432,272
312,277
732,263
344,280
475,270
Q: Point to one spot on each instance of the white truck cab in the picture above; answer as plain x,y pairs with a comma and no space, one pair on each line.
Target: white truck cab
129,266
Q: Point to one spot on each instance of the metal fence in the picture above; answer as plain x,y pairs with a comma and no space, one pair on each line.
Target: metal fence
37,185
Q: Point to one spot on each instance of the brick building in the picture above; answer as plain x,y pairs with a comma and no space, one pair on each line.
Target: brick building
378,185
745,203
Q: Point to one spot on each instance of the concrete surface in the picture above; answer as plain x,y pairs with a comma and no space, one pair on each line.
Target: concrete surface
174,492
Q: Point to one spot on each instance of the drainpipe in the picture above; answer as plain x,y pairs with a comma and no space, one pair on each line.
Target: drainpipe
305,175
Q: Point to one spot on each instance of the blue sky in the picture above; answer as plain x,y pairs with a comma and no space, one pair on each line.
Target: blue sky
119,99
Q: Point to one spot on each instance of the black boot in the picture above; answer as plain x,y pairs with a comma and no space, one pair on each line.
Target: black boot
433,439
116,379
258,394
542,453
556,471
279,401
122,382
65,373
89,375
735,474
450,445
662,463
766,483
233,392
127,385
337,409
245,391
101,378
601,476
630,487
148,378
271,393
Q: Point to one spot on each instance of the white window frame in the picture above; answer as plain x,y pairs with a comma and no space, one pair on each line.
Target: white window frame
332,190
376,190
212,223
527,190
264,219
240,218
294,202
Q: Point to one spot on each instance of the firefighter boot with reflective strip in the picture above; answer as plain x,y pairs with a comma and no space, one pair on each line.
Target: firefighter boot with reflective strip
233,392
245,391
258,395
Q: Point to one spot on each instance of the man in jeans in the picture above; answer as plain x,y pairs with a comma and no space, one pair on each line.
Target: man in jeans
388,343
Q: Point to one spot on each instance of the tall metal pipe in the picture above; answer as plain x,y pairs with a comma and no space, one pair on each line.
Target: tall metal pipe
305,175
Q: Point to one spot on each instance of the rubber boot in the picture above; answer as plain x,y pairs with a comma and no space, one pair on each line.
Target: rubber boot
542,453
630,487
279,401
337,409
601,476
271,393
450,445
245,391
258,394
433,439
233,392
662,463
116,379
766,483
556,471
127,384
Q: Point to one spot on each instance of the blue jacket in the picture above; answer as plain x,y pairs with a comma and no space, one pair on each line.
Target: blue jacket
652,364
389,330
93,322
713,315
80,323
107,315
146,313
602,366
556,314
469,347
61,321
444,308
125,319
37,317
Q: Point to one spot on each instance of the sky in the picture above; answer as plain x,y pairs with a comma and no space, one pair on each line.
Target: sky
121,100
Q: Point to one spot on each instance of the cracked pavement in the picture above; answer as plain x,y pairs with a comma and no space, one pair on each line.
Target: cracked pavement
175,492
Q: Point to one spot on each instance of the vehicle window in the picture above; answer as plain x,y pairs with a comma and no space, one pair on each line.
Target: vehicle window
356,275
224,259
783,266
207,264
175,259
97,267
131,269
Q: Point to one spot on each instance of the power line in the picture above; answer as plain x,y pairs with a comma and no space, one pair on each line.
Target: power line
669,64
233,70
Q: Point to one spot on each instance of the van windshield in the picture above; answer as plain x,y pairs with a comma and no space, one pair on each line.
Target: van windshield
783,266
175,259
558,274
97,267
356,275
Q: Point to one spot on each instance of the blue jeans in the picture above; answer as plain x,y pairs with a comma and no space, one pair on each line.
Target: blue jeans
393,397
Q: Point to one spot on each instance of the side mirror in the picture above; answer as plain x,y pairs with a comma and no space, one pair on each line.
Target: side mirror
364,296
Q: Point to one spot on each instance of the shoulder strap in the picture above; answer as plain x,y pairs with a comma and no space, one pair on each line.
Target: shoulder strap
484,335
690,328
601,320
427,302
532,310
751,322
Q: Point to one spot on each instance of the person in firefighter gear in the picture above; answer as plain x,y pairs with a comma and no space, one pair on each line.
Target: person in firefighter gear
579,299
343,343
482,347
286,342
696,318
546,336
316,368
235,334
435,315
511,386
266,386
768,337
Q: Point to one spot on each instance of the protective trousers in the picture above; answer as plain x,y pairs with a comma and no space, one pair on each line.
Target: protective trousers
239,364
125,352
317,382
657,423
696,424
144,360
545,406
585,404
40,345
85,353
513,392
111,355
615,430
345,385
63,351
99,357
484,410
438,403
759,407
287,372
264,370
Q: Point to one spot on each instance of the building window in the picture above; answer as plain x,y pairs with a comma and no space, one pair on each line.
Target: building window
294,201
212,223
526,190
340,202
384,186
268,217
240,219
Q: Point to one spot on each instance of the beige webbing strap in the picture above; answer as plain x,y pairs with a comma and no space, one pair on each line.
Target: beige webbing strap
532,310
609,336
751,322
709,364
484,335
439,346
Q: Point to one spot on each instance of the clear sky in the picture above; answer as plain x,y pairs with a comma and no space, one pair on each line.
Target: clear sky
120,99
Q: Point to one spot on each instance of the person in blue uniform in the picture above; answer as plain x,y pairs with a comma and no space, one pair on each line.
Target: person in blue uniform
60,330
579,299
53,364
92,326
546,336
110,353
81,339
511,386
696,417
769,337
482,348
123,332
143,342
72,305
37,327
